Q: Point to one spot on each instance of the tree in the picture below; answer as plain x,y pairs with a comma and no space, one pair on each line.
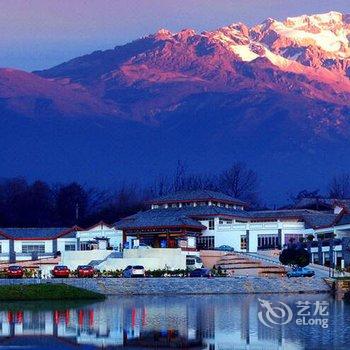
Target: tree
339,186
14,201
179,177
240,182
305,194
40,204
295,256
71,204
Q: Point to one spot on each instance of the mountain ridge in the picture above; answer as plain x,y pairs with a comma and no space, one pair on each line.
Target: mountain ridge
273,91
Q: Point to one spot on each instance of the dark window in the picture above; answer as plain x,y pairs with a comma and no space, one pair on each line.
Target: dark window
207,242
211,224
69,246
268,241
243,242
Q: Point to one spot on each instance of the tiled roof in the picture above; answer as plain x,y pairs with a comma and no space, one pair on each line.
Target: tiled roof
36,233
319,220
159,218
200,195
286,213
319,203
314,202
344,220
343,202
189,216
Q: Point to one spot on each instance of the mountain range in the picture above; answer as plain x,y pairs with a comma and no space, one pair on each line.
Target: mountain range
275,95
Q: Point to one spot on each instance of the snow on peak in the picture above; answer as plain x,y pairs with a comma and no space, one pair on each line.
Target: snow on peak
320,40
324,18
329,32
163,34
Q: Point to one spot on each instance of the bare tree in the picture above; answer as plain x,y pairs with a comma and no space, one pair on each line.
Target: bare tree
339,186
240,182
179,177
314,194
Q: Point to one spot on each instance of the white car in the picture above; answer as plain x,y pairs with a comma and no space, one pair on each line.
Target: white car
193,262
134,271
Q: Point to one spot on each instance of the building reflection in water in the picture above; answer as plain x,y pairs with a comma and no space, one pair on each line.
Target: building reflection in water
189,322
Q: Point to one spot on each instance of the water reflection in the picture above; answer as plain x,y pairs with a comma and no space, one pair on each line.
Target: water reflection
188,322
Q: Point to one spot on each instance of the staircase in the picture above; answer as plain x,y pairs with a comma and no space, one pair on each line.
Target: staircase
113,255
240,265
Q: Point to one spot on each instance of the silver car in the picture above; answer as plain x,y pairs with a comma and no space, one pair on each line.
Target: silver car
134,271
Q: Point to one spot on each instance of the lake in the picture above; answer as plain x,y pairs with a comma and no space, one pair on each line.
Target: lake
219,322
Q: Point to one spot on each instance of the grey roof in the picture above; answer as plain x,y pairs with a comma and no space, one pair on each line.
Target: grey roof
158,218
35,233
344,220
319,220
189,216
286,213
199,195
344,202
314,202
318,203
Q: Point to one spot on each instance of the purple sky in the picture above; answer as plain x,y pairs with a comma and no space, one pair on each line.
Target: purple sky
37,34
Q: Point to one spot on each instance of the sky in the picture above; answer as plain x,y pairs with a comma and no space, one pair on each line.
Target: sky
37,34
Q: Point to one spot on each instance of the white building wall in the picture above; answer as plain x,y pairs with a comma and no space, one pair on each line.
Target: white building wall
230,234
115,236
225,234
82,257
5,249
48,245
61,242
5,246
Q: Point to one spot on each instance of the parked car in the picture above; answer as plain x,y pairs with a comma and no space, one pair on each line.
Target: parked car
225,248
134,271
203,272
85,271
15,271
193,262
60,271
301,272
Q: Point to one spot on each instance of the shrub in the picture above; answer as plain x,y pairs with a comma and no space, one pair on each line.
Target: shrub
29,273
167,273
295,256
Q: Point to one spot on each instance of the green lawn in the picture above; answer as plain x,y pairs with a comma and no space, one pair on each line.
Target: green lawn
47,291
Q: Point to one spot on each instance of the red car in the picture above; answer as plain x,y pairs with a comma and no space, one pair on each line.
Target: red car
15,272
85,271
60,271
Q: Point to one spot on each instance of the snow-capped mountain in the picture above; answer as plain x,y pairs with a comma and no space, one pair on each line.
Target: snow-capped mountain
282,85
154,74
316,41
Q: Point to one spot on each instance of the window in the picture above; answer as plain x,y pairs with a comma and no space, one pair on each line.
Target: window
225,222
268,241
207,242
243,242
0,248
211,224
69,247
85,246
33,248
